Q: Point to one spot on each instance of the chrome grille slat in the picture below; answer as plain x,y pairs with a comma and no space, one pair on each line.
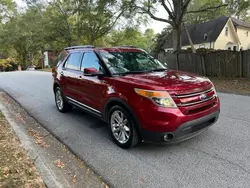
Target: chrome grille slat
193,103
193,94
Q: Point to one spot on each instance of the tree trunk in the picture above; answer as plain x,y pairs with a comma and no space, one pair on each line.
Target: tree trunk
177,38
189,38
91,40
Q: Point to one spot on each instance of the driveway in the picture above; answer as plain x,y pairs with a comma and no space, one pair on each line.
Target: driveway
218,158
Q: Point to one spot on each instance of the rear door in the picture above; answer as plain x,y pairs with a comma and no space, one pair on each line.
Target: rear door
71,73
93,88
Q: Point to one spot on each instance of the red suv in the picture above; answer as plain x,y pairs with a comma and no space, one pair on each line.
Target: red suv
135,94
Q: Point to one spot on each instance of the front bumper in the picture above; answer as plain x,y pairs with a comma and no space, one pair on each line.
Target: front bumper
184,132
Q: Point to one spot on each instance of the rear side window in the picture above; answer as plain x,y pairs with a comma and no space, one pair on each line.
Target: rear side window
90,60
73,61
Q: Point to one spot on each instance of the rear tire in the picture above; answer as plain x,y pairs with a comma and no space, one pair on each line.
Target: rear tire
61,104
122,128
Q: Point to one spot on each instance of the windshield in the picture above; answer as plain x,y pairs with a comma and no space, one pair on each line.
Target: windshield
119,62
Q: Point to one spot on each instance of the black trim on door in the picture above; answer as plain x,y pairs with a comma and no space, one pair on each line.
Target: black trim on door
85,107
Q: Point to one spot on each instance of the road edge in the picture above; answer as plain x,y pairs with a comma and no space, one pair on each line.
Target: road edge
2,90
47,174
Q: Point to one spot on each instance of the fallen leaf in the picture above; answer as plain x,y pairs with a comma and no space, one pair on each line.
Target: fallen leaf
59,163
74,179
106,186
6,175
5,169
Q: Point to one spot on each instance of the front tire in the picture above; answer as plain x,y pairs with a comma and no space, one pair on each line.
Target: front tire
61,104
122,127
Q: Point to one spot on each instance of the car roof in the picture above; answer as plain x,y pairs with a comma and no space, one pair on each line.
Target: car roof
87,48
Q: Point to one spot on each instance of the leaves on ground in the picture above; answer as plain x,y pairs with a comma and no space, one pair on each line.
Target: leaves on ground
16,168
237,85
38,138
59,163
74,179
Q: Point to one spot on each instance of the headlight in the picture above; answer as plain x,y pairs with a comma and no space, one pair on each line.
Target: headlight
213,88
161,98
215,94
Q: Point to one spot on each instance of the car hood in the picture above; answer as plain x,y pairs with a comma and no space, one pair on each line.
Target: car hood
170,80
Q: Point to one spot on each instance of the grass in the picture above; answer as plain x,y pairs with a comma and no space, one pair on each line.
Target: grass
232,85
46,69
16,168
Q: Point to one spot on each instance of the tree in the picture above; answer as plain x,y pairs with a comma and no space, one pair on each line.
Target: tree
161,39
6,63
176,10
94,19
238,8
133,36
150,39
7,10
194,18
22,36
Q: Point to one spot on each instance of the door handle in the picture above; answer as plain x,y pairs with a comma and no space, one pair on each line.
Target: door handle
80,76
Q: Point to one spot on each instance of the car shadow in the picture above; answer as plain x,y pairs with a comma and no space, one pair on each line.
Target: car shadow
101,128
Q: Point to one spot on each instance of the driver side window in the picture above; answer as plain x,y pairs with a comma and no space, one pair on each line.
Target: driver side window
90,60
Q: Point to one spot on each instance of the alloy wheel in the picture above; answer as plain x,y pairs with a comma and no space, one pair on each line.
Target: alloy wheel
59,99
120,127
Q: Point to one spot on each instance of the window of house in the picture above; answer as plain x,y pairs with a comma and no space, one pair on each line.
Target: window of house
90,60
226,31
205,37
234,48
73,61
247,33
229,48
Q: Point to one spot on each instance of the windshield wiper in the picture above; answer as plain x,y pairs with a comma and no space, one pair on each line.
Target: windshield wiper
129,72
158,70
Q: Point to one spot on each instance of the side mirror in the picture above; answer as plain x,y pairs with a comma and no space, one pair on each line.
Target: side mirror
91,72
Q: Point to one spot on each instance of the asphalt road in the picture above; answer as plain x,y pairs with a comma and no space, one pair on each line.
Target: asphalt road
220,157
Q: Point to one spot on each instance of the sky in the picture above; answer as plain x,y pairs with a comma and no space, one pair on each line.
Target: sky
155,25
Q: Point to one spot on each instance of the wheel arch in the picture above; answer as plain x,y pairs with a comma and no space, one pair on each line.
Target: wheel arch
117,101
56,84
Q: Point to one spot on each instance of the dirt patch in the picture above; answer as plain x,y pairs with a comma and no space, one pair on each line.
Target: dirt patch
16,168
229,85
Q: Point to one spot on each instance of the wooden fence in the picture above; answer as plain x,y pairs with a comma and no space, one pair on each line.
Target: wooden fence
215,64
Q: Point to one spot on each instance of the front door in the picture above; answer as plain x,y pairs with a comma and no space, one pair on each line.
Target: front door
93,88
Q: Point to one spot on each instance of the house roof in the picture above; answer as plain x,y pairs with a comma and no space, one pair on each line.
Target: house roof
212,28
196,31
237,22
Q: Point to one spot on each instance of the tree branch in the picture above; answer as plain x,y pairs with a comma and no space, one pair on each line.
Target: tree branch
206,9
147,11
171,16
185,5
171,7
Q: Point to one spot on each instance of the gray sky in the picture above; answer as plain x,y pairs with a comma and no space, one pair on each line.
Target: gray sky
156,25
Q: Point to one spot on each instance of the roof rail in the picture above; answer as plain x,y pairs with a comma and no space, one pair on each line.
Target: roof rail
78,47
125,46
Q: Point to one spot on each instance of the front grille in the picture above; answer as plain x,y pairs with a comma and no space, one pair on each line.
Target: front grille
190,103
